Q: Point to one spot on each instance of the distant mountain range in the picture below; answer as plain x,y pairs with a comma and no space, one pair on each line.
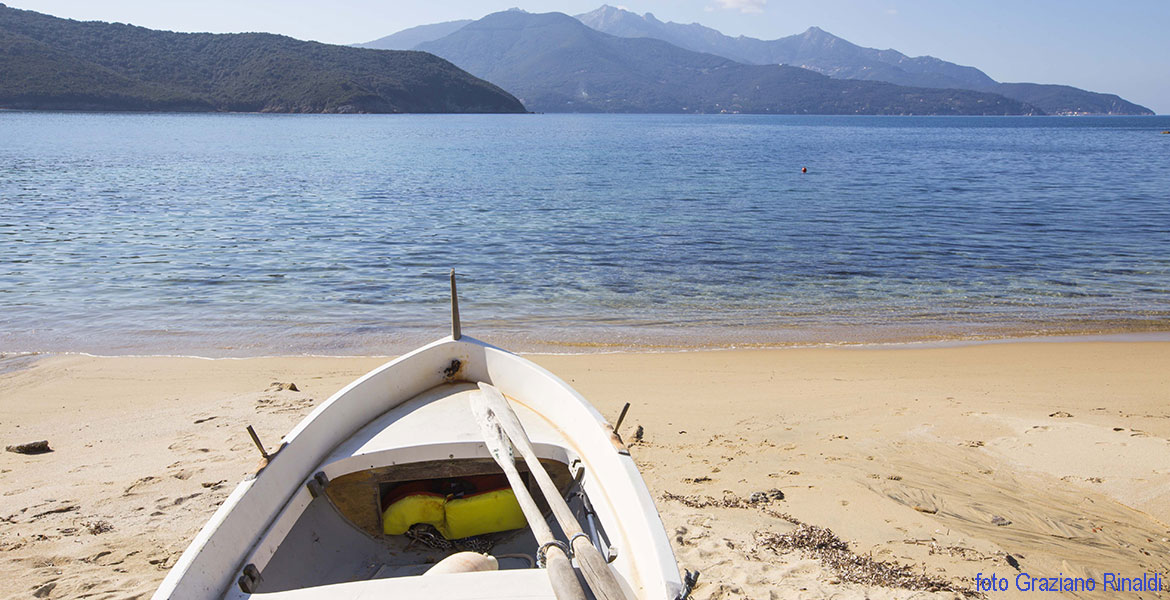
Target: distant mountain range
555,63
814,50
51,63
823,52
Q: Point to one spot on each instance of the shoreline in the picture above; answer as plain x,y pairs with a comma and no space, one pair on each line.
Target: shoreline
589,349
945,459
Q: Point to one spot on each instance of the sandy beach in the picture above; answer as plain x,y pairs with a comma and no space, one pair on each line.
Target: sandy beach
1051,459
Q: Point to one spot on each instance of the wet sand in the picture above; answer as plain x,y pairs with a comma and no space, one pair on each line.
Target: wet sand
951,461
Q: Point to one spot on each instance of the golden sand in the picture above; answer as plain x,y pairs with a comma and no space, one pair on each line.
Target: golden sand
949,461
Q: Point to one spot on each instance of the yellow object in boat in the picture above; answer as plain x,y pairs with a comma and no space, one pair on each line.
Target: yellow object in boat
455,518
482,513
409,510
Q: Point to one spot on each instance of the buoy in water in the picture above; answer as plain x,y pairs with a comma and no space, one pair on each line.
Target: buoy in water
804,169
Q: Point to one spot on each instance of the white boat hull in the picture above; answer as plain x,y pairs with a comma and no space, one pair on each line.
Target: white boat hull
412,411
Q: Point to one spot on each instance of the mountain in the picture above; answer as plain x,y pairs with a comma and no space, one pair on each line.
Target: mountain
825,53
51,63
407,39
814,49
554,63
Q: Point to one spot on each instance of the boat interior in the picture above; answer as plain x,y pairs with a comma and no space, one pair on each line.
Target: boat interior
427,447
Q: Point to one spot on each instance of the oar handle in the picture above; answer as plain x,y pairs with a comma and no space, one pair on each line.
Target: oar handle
593,565
560,571
562,576
596,570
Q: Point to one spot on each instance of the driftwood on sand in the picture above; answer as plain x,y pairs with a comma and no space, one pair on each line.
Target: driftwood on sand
39,447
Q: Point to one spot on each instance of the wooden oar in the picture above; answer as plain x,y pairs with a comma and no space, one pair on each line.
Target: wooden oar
597,573
560,570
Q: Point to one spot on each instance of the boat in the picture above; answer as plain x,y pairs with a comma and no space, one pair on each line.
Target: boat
411,483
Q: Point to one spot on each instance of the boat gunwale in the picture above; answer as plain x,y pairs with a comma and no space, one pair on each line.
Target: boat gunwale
199,575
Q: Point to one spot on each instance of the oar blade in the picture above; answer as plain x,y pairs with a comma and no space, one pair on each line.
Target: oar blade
498,404
493,433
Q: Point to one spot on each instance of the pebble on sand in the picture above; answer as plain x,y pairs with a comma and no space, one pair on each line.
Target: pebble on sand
40,447
278,386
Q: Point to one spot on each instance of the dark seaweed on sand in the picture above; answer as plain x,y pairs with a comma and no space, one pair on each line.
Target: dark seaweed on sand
831,551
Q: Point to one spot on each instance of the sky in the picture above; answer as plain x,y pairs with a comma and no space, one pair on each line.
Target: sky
1120,47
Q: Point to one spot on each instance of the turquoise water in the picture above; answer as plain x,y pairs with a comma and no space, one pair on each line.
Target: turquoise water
275,234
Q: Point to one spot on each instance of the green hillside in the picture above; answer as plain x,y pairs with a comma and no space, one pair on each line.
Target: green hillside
51,63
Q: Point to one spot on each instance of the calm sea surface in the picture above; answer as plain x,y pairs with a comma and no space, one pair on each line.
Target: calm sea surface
275,234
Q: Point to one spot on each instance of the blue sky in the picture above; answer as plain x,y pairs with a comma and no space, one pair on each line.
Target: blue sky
1118,47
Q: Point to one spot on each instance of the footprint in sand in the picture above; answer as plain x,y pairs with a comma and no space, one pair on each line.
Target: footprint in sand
96,557
684,536
185,474
703,521
139,484
165,502
62,507
163,561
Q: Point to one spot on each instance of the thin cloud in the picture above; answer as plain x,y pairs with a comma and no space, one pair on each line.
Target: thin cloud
744,6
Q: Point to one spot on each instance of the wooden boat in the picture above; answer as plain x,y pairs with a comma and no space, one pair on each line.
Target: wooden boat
310,523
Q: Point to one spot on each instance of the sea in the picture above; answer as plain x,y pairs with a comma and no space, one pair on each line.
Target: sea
244,235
